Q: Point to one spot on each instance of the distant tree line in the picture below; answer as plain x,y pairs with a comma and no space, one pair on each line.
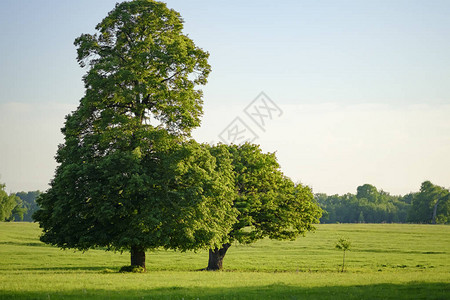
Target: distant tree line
19,206
29,203
431,205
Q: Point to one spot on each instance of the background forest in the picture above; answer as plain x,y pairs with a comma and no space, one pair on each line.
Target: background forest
369,205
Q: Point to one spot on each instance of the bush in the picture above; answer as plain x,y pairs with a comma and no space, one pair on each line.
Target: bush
132,269
108,271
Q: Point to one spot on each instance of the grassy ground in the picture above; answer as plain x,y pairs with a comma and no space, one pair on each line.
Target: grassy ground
387,261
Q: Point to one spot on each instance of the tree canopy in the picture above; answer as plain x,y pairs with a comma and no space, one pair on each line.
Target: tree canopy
430,205
269,204
142,68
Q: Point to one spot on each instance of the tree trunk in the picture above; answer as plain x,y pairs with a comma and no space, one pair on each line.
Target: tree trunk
435,212
216,257
138,256
343,262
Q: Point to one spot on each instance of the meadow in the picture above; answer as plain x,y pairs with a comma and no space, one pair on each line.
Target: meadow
387,261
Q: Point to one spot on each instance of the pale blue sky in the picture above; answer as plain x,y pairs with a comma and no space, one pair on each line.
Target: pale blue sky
364,85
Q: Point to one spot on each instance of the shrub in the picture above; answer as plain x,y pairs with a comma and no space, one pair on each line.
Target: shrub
132,269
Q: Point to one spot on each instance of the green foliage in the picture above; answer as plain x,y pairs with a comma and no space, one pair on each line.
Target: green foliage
19,210
29,202
196,196
128,175
368,206
177,198
430,205
142,65
343,244
361,218
11,206
7,204
268,203
369,192
132,269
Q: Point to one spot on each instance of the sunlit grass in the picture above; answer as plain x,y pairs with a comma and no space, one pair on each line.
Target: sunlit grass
387,261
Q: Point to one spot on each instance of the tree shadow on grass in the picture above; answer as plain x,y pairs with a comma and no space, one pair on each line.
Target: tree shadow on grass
415,290
70,269
28,244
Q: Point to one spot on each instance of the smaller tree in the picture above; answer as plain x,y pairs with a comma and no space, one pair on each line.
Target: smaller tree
29,202
343,244
361,217
11,207
268,204
369,192
7,204
19,210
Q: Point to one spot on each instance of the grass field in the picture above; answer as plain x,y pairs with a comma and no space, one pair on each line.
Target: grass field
387,261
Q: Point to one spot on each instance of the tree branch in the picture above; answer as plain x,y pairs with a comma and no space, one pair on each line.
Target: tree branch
176,73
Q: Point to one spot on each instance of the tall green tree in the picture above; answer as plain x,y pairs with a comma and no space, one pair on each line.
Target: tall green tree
129,178
269,204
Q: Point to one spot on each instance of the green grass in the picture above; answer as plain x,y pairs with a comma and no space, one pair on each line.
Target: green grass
387,261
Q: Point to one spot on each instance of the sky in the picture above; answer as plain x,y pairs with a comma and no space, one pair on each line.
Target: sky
345,92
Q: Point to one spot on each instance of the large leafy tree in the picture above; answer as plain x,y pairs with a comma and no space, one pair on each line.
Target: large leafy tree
128,176
269,204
